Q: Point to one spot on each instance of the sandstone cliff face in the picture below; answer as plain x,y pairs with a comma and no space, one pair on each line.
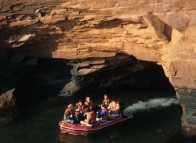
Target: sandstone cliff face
180,59
91,34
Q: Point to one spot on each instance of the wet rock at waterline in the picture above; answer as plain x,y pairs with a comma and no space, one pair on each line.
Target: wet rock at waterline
187,98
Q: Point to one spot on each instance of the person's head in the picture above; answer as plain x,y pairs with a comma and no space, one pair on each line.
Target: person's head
70,106
103,106
86,110
87,99
113,101
92,109
105,96
80,102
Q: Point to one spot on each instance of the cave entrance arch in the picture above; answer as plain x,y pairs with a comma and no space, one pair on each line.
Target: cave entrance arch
124,73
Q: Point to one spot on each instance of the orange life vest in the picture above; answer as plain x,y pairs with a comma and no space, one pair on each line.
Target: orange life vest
79,107
114,108
88,104
91,117
106,102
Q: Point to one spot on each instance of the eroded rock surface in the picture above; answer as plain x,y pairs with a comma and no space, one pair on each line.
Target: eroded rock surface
7,100
181,61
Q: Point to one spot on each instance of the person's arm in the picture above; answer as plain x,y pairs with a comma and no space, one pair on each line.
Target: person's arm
81,109
109,108
77,108
86,104
107,103
118,106
66,115
88,118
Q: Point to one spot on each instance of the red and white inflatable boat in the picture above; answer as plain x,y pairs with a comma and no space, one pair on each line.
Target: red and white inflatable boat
77,129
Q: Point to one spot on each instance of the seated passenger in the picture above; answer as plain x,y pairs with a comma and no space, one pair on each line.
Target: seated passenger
69,115
106,100
79,111
114,108
79,106
90,118
103,114
88,103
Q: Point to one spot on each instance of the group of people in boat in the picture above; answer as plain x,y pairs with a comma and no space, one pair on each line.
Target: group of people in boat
86,113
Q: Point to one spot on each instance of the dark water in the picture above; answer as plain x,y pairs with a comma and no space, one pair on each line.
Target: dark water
156,120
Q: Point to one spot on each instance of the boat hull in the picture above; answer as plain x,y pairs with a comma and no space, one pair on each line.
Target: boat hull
77,129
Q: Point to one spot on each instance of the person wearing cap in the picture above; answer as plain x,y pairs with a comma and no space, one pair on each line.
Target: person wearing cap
114,108
69,115
88,103
79,111
106,100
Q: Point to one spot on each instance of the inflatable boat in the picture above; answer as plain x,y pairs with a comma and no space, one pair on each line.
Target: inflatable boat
77,129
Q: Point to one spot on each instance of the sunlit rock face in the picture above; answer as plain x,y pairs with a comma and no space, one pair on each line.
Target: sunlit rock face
7,100
77,33
88,33
181,62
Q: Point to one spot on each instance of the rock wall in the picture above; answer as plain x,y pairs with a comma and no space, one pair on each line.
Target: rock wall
89,32
7,100
181,62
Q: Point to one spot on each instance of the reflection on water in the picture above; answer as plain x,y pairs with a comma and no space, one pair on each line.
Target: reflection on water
39,122
108,136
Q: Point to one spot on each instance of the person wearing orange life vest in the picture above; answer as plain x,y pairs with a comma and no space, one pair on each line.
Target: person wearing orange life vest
91,118
114,108
69,115
79,107
106,100
79,111
88,103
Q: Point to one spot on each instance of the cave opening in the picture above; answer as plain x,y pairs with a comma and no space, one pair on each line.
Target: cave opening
127,75
121,76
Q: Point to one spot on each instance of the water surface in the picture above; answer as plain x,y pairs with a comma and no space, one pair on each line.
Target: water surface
157,119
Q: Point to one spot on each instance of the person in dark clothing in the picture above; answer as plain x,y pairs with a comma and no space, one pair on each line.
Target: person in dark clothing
88,103
103,114
79,111
69,115
91,118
